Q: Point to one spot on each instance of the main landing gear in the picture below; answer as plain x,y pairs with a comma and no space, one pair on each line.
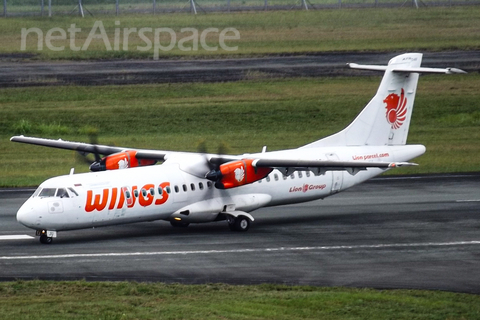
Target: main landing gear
240,223
237,221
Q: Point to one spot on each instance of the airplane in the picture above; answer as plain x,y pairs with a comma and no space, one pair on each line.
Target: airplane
125,186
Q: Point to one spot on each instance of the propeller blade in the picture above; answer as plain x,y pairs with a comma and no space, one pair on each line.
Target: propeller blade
94,165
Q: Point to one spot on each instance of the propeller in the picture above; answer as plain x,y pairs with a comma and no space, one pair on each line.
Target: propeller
214,174
82,156
204,164
98,164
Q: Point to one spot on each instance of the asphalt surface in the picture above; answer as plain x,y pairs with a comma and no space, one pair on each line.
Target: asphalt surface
413,232
16,71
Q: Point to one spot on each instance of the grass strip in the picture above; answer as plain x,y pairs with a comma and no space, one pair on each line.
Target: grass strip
261,33
243,116
131,300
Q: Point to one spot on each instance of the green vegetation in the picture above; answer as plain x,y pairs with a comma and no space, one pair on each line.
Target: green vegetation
243,115
129,300
261,33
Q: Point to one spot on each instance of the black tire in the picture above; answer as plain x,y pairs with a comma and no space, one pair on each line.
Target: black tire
46,240
240,224
179,224
231,222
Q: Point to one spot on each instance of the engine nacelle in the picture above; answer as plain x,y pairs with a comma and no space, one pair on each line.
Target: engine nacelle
238,173
121,160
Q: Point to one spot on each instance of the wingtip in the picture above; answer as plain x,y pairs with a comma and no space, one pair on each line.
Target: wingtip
456,71
402,164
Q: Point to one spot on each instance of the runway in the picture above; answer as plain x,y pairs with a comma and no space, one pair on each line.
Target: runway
115,72
394,232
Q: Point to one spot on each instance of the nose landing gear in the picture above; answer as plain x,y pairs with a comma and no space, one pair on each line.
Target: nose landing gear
46,240
46,237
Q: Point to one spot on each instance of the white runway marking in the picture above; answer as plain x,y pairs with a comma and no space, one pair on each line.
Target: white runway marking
266,250
474,200
15,237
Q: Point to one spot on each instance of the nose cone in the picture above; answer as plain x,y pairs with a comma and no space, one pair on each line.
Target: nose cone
26,215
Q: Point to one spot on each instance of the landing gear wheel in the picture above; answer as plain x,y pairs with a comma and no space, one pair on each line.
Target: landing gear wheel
46,240
179,224
240,223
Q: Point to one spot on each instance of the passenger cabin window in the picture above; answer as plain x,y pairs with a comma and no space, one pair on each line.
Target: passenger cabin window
176,189
144,192
184,187
160,191
300,174
200,185
135,193
275,176
284,177
307,173
209,184
268,179
192,186
292,175
168,189
152,191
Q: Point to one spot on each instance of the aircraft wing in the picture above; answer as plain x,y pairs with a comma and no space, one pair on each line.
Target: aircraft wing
85,148
285,166
321,166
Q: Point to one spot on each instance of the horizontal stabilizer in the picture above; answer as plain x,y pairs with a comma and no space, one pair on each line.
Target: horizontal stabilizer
407,70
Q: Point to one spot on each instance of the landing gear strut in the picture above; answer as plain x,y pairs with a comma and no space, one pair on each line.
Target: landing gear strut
240,223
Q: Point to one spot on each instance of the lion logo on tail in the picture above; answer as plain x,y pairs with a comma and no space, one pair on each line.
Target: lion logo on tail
396,109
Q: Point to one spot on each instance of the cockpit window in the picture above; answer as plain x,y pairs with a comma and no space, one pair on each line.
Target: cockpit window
48,192
36,192
54,192
62,193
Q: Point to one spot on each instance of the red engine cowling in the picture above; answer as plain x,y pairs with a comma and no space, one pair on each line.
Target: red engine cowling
239,173
121,160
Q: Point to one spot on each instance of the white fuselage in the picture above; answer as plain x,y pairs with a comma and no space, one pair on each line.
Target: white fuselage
163,192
